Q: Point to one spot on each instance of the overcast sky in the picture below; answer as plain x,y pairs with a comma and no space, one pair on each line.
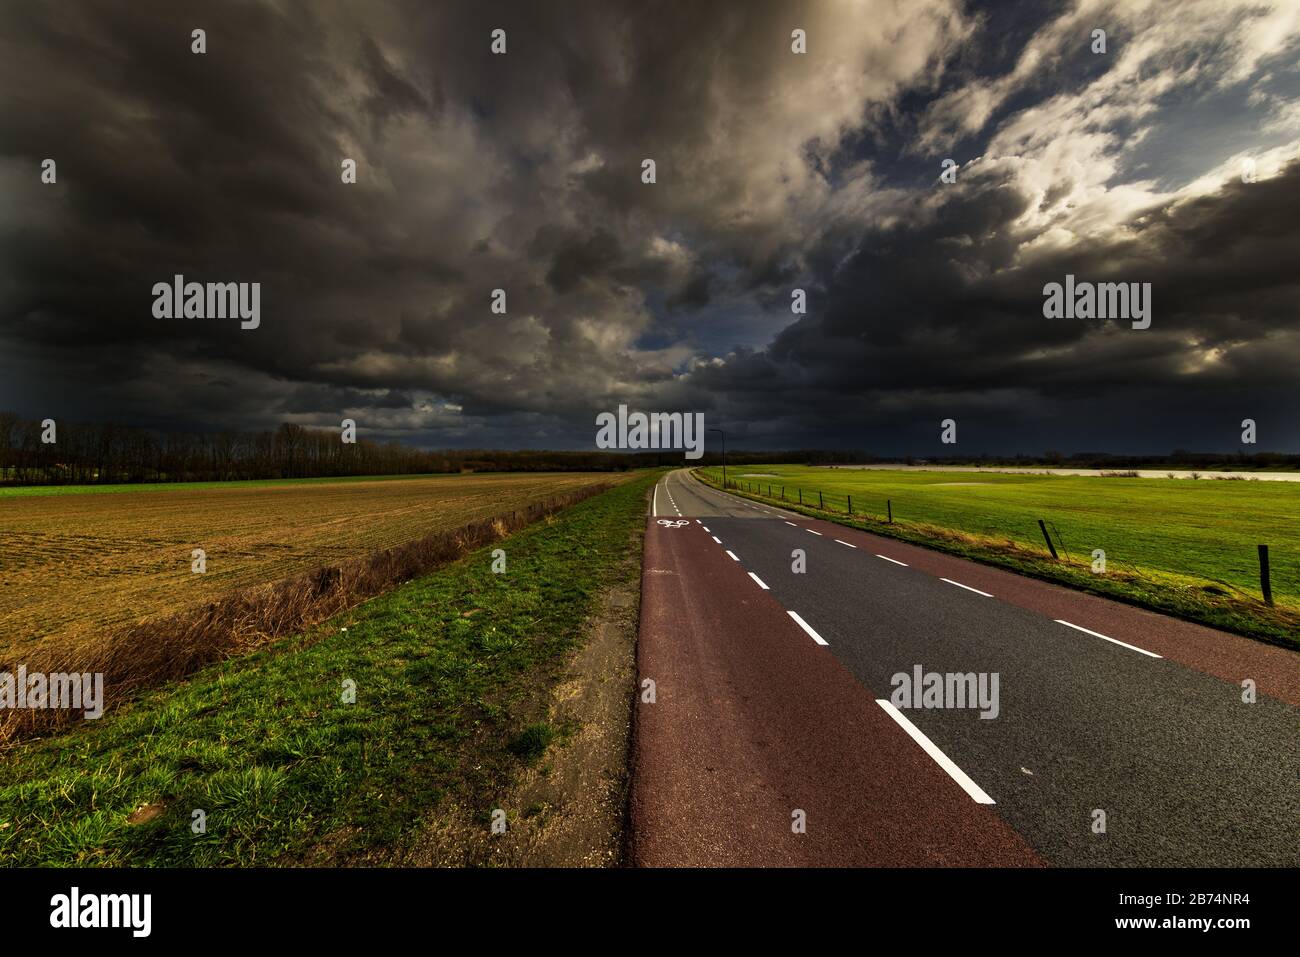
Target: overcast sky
775,171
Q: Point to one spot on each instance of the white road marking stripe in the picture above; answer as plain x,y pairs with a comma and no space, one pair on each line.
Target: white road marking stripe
792,523
810,530
732,554
760,582
716,539
845,543
941,759
705,527
1097,634
967,587
808,628
655,508
894,560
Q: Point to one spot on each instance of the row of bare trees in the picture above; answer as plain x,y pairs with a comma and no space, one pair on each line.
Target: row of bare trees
107,453
102,453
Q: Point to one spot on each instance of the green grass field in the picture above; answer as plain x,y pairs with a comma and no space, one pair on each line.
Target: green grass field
449,671
1188,546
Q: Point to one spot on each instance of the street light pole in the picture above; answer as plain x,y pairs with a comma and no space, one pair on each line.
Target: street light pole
724,456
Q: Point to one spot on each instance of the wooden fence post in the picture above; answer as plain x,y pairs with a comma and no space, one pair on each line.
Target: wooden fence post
1048,538
1264,584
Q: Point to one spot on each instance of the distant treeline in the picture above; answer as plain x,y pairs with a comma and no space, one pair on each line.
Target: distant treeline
103,453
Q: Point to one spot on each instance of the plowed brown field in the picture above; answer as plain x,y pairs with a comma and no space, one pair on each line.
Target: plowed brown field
74,565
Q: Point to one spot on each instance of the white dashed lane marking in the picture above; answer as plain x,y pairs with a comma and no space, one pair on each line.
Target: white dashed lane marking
1097,634
941,759
955,772
967,587
808,628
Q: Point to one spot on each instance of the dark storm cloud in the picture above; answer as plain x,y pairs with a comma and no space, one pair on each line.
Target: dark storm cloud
581,257
523,172
961,333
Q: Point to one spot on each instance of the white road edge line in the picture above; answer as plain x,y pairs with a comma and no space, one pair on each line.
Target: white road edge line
808,628
792,523
706,528
894,560
760,582
967,587
810,530
654,509
732,554
941,759
845,543
715,538
1097,634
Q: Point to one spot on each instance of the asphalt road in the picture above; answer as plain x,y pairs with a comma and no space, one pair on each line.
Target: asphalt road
772,690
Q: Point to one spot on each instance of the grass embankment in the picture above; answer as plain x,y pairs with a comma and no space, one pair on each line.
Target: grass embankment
1182,546
450,671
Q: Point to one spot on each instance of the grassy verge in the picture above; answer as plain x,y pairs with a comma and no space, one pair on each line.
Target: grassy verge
1147,527
447,673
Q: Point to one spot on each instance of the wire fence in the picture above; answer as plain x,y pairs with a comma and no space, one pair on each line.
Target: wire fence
843,503
890,511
